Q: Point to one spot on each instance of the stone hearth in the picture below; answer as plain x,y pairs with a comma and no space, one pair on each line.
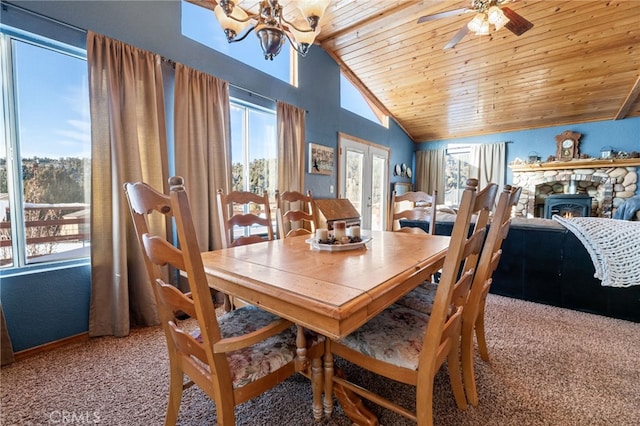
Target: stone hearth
608,182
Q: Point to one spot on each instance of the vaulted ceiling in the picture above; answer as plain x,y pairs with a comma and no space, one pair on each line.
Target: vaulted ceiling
579,63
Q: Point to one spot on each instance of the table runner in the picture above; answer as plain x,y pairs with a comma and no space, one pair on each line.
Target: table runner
614,247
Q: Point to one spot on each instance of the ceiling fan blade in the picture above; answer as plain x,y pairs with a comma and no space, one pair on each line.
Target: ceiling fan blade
456,38
517,24
443,15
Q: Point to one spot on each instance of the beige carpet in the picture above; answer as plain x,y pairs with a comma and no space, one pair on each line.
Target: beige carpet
549,366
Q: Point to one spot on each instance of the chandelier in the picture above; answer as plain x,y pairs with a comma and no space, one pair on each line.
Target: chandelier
270,25
489,12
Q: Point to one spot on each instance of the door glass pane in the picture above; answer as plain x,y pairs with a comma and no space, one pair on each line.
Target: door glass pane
378,202
55,146
354,177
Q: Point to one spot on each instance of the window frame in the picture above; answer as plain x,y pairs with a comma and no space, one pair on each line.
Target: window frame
15,185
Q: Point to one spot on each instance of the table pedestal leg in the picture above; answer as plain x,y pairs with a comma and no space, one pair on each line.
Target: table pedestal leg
352,405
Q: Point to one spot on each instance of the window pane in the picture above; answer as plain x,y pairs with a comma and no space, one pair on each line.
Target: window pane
6,251
263,172
201,25
352,100
456,175
253,155
55,143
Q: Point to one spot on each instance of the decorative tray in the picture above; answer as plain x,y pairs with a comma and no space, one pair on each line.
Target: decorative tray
338,246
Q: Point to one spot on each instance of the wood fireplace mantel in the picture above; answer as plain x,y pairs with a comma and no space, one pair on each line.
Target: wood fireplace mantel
575,164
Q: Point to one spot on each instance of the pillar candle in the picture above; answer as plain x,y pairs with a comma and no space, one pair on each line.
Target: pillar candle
353,231
322,234
339,228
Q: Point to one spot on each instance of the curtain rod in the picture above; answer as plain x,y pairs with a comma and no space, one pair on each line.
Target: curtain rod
235,86
6,6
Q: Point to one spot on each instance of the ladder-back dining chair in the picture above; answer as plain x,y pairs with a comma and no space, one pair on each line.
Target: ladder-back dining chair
422,297
413,205
233,357
409,346
473,320
296,214
245,218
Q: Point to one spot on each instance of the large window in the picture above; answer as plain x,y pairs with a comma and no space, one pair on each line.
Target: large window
352,99
201,25
45,154
456,173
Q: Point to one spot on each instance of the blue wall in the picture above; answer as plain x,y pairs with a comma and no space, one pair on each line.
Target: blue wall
46,305
622,135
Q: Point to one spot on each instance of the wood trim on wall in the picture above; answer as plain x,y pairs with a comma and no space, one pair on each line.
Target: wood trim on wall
28,353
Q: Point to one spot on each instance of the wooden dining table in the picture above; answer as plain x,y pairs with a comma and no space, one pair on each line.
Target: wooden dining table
328,291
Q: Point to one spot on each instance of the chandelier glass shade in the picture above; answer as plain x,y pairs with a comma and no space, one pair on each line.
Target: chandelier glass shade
270,26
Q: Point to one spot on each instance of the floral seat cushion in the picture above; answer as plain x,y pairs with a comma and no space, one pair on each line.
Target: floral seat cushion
420,298
254,362
394,336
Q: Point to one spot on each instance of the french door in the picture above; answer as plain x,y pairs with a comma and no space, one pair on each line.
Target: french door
363,173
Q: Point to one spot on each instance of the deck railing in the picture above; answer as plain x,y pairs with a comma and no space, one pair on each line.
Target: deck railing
47,225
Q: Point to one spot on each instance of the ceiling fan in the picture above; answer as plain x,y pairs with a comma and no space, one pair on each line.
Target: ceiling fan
487,12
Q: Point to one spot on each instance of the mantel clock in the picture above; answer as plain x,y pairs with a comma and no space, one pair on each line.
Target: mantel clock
567,145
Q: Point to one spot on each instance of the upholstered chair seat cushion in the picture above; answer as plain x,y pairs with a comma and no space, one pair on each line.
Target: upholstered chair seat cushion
394,336
254,362
420,298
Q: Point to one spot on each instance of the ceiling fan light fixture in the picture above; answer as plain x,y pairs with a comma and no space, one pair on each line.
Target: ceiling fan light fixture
475,25
496,17
484,29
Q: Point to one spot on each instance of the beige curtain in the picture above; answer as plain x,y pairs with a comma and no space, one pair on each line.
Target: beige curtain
430,169
128,144
5,341
202,147
291,144
487,163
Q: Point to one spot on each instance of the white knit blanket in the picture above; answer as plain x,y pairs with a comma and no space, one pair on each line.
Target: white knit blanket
614,247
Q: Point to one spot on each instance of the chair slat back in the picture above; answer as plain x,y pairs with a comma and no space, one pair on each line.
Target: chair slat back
442,317
296,214
159,252
413,205
484,204
498,231
245,218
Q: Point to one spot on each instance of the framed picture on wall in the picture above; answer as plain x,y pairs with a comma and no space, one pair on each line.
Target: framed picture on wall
321,159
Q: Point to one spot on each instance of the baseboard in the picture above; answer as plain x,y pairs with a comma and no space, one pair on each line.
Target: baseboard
27,353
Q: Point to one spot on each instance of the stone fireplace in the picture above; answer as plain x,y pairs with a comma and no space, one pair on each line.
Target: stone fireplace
608,183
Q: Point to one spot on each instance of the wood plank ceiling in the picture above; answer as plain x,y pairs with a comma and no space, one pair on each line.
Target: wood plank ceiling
579,63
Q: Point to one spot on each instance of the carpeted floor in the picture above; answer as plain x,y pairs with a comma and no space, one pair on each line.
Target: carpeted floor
549,366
